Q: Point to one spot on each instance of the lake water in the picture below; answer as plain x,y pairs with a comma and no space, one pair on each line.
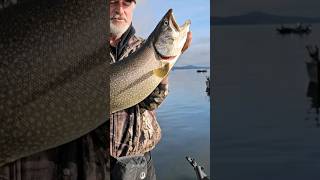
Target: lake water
184,118
262,128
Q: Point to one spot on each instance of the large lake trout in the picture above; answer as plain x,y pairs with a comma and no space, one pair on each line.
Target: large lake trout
134,78
54,72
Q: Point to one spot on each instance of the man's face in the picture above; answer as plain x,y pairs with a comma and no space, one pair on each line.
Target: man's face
120,16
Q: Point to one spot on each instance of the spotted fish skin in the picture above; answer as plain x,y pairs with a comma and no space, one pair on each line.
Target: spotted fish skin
53,74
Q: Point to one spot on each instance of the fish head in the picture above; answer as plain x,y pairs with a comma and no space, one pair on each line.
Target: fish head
170,37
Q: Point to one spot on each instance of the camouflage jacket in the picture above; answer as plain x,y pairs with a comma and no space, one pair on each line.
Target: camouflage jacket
135,130
82,159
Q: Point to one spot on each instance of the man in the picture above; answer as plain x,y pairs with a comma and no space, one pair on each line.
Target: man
134,132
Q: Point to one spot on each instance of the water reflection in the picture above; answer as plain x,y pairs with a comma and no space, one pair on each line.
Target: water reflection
260,93
184,118
313,67
314,99
208,86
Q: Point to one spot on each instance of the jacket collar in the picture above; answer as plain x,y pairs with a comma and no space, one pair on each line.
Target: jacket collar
124,40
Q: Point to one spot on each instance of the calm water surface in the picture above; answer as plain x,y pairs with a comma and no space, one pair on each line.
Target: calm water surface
184,118
262,128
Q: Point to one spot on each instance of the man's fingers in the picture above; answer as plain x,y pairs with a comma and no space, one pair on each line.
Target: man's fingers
165,80
188,42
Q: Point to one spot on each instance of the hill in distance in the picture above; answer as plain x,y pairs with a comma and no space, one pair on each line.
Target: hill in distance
190,67
262,18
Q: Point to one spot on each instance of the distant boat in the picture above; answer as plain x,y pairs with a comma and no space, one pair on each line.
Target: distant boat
201,71
299,29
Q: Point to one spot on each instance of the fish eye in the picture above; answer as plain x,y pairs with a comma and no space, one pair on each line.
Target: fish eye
166,22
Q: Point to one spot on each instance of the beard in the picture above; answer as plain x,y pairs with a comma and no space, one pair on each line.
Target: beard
118,30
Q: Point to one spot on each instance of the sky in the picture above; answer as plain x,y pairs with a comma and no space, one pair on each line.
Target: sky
149,12
308,8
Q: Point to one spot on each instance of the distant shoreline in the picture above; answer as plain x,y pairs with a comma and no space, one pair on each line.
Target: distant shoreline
261,24
260,18
190,67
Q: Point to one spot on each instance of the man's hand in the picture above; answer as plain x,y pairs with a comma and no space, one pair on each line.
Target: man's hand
165,80
188,42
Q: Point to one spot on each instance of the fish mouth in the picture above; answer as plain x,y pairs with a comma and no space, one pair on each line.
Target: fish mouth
163,57
173,21
167,58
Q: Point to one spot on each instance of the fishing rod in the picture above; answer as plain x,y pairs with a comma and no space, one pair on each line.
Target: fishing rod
201,175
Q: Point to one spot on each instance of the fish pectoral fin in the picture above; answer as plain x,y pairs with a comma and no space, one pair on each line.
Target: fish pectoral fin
162,71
